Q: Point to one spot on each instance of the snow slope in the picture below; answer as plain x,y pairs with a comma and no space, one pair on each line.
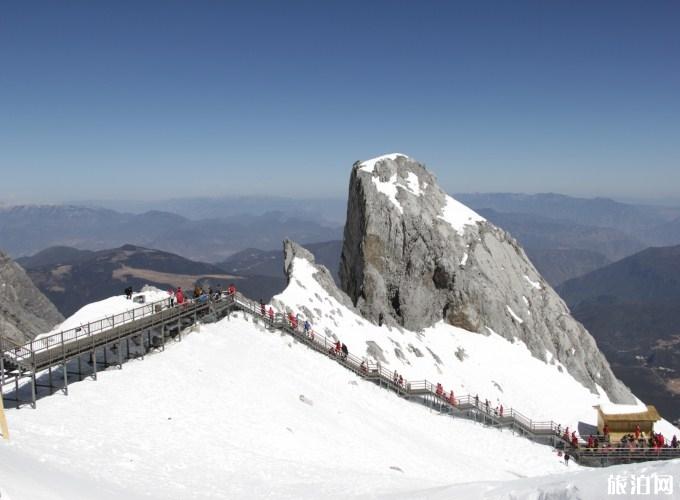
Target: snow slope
468,363
236,411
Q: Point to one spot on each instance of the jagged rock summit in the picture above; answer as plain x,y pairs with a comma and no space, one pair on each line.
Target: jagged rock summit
322,275
417,256
24,311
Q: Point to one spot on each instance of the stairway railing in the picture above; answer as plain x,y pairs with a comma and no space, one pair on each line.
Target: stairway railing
24,356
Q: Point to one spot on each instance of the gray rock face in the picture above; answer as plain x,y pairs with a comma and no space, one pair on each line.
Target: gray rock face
418,257
24,311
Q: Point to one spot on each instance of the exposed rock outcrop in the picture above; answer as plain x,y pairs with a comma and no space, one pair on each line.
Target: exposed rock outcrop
418,256
24,311
323,276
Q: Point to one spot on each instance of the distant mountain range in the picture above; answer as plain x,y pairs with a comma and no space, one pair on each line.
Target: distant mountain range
25,230
270,263
632,308
72,278
638,221
325,211
564,236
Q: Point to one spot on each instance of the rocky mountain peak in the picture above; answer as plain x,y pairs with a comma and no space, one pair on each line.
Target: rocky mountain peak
417,256
24,311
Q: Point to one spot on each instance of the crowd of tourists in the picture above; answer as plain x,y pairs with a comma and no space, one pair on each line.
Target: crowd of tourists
633,440
199,295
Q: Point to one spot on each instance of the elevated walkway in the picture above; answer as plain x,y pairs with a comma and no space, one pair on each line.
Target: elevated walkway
136,332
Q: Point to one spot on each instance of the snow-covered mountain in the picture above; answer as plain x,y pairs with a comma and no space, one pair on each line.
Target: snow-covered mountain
490,366
417,256
239,411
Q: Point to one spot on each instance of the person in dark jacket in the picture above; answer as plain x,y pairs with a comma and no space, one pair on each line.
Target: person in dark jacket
381,318
345,351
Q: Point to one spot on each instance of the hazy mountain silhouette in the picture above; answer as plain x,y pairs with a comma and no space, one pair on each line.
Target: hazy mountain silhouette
26,230
632,308
71,278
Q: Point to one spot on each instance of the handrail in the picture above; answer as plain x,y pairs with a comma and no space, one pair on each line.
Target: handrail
23,354
407,386
366,368
325,345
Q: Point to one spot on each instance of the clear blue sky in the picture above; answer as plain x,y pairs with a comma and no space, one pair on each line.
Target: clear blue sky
145,99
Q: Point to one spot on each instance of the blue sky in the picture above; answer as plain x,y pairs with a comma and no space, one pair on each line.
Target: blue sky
162,99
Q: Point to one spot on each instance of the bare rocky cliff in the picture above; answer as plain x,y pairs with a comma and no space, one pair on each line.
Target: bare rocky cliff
24,311
417,256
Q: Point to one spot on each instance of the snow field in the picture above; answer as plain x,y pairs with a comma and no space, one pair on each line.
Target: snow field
469,363
220,415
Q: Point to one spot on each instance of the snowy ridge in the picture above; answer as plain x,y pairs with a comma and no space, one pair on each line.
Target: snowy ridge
459,215
313,445
466,362
369,165
310,446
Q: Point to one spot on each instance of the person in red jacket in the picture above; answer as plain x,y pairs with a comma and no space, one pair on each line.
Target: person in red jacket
271,314
440,389
574,440
231,290
179,295
452,400
637,431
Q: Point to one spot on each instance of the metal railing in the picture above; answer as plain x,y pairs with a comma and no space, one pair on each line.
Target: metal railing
465,403
369,369
161,311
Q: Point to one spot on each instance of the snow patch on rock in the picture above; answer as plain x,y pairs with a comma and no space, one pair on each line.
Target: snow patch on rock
369,165
389,189
459,215
514,315
534,284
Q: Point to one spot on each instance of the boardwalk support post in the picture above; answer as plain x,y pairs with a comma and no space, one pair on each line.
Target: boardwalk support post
4,429
33,395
